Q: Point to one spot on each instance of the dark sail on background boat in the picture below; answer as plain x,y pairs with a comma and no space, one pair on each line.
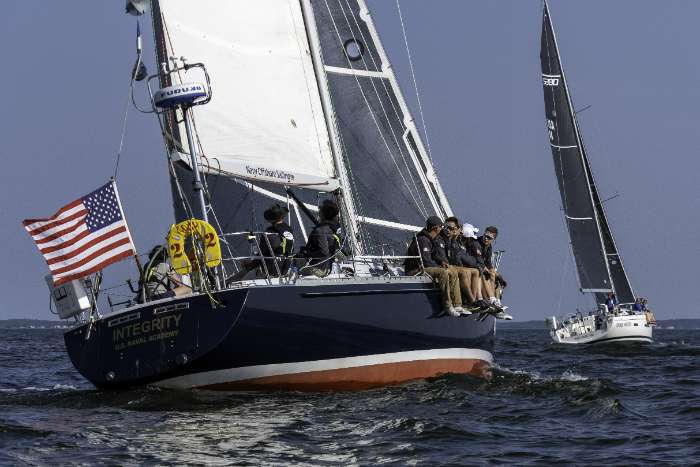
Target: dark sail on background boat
598,262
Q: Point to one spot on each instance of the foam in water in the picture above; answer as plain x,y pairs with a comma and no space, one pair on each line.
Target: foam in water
569,375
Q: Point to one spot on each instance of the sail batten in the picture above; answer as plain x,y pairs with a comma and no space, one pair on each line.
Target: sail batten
598,263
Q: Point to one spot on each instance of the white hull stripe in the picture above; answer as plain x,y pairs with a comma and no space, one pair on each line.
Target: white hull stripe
208,378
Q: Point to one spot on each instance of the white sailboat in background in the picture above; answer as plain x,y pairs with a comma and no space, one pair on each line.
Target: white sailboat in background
599,265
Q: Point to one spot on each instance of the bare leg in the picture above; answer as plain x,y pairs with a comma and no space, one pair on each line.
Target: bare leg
476,285
489,287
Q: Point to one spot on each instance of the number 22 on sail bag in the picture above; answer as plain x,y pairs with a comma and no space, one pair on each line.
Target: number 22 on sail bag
199,230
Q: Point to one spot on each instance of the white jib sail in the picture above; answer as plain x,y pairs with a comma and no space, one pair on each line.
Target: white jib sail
265,121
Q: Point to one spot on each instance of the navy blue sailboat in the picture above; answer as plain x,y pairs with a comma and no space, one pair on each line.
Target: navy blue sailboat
302,97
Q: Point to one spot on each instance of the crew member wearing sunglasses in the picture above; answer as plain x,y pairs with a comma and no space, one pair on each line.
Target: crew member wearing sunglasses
464,266
493,282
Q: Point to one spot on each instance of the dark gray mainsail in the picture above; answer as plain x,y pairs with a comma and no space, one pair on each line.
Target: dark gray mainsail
391,178
598,262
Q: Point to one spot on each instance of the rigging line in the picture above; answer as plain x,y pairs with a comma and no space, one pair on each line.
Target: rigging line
414,153
213,211
123,132
354,192
371,112
419,205
374,117
415,83
383,81
563,276
399,144
126,109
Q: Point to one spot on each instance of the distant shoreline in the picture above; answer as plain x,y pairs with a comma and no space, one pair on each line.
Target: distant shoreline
23,323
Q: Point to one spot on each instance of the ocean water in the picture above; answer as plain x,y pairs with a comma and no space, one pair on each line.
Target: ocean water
551,405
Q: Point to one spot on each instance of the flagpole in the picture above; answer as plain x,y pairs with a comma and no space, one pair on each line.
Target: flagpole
137,260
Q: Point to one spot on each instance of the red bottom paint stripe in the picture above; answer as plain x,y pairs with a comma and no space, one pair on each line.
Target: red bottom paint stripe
361,377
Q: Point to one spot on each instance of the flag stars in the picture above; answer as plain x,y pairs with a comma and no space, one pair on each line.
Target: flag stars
102,208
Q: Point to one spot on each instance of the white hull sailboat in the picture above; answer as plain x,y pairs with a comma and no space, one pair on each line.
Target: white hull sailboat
624,326
598,261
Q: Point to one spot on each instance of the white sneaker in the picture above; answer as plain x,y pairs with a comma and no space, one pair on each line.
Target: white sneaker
503,315
465,312
453,311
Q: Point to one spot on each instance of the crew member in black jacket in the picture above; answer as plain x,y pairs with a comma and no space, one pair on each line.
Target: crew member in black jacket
280,238
325,240
434,263
493,282
465,266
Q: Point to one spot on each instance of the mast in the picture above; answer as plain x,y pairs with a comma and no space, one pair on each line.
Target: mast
346,198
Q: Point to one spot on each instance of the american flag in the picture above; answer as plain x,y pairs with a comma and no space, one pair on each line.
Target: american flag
84,236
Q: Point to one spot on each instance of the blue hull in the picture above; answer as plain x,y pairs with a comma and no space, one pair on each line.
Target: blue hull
325,335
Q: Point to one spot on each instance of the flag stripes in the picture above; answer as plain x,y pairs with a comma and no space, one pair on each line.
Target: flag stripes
84,236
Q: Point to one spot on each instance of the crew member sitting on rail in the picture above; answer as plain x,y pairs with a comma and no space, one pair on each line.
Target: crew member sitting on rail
451,233
162,281
475,248
466,265
429,257
490,274
325,240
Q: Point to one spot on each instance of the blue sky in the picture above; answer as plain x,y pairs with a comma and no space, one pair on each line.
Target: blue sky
65,77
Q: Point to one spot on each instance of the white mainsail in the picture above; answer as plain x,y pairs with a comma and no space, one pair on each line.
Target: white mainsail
265,121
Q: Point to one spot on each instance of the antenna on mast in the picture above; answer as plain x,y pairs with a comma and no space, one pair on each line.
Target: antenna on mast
183,96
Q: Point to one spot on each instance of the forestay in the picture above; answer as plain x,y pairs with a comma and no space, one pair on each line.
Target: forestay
265,121
599,265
